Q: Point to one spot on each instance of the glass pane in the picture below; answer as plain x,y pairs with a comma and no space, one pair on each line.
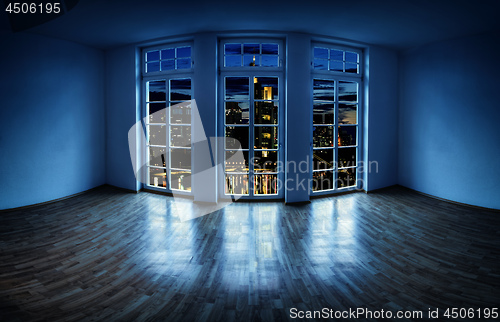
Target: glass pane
351,68
180,180
180,158
236,161
153,67
251,60
157,112
323,159
346,157
323,180
232,49
321,64
157,135
322,136
324,90
336,54
266,112
265,161
252,49
347,113
347,135
180,89
265,184
323,112
157,91
269,61
184,63
336,66
270,49
266,137
180,113
180,136
157,157
167,64
168,53
157,177
266,88
236,184
346,178
351,57
237,137
237,88
237,112
320,53
153,55
348,91
232,61
183,52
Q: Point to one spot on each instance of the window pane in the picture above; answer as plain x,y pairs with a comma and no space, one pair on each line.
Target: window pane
237,112
351,68
320,53
232,49
183,52
156,91
180,89
236,184
336,66
270,49
167,64
324,90
237,88
266,113
323,180
322,136
180,113
269,61
252,49
236,161
251,60
321,64
347,135
347,113
158,177
180,136
232,61
153,67
237,137
153,55
157,135
180,180
323,159
266,88
180,158
265,184
157,112
184,63
348,91
168,53
323,112
336,54
265,161
346,178
266,137
351,57
346,157
157,157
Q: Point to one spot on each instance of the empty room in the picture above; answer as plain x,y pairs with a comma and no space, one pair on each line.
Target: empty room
249,161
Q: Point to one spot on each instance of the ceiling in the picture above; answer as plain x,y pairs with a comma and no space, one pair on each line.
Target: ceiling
397,24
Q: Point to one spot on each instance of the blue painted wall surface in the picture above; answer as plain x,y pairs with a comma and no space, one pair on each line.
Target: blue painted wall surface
52,136
449,117
381,122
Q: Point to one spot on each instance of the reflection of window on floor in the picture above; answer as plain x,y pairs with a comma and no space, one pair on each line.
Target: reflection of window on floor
169,118
335,118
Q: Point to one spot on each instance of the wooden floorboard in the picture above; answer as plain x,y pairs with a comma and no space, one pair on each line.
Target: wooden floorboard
108,255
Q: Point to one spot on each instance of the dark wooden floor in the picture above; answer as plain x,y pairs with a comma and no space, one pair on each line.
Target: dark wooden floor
114,256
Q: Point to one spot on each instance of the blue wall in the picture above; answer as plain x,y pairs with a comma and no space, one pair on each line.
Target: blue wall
52,138
449,120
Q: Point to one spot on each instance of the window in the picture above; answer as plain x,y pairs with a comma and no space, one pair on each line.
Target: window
335,118
164,59
251,54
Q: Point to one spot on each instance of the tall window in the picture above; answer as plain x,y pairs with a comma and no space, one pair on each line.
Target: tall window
335,108
168,91
252,117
